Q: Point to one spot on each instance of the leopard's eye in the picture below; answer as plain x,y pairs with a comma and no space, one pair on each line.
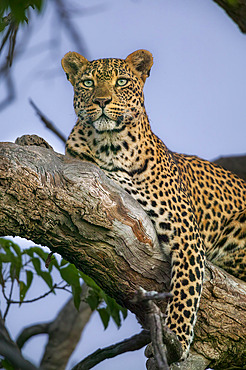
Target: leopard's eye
121,82
88,83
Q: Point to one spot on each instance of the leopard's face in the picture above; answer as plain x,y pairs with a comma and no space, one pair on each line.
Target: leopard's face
108,93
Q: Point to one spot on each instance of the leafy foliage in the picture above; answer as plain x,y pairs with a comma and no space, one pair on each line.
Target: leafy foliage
20,266
111,309
16,10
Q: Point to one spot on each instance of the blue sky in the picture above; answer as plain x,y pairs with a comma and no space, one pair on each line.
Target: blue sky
195,97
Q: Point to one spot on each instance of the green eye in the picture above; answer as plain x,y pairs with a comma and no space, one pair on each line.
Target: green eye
88,83
121,81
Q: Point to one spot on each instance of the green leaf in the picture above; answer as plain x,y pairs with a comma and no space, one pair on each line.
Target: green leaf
90,282
2,25
38,4
18,9
53,263
16,248
15,268
93,299
29,278
23,289
8,244
63,262
233,3
70,275
124,312
114,309
37,265
111,303
45,275
40,252
104,315
28,251
42,255
11,254
6,258
5,243
4,5
7,365
76,291
115,314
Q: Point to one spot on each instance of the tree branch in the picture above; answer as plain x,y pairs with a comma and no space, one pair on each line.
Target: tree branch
236,10
164,343
74,209
9,350
30,332
64,333
67,327
47,122
131,344
236,164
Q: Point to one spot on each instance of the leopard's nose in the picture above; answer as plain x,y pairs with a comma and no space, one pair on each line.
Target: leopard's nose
102,102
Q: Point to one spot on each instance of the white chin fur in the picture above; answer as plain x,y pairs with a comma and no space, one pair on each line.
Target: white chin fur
104,124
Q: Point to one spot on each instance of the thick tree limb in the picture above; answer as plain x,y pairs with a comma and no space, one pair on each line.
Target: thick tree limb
236,164
30,332
65,332
74,209
236,9
9,350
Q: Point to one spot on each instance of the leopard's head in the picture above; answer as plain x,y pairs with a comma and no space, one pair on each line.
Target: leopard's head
108,93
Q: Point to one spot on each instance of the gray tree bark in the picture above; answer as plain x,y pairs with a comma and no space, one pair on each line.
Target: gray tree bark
74,209
63,333
236,164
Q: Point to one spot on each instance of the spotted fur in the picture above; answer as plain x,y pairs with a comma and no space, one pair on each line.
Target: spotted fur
196,206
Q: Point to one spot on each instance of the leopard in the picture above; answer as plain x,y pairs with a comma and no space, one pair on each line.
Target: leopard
198,208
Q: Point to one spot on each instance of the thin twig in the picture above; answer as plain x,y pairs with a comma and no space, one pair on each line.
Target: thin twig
12,43
131,344
47,122
9,299
8,79
5,71
49,259
34,299
5,38
7,20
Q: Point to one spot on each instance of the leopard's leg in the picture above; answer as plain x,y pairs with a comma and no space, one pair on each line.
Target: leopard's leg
188,263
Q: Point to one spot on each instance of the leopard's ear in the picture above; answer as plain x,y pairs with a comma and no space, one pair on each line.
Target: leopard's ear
141,61
72,63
